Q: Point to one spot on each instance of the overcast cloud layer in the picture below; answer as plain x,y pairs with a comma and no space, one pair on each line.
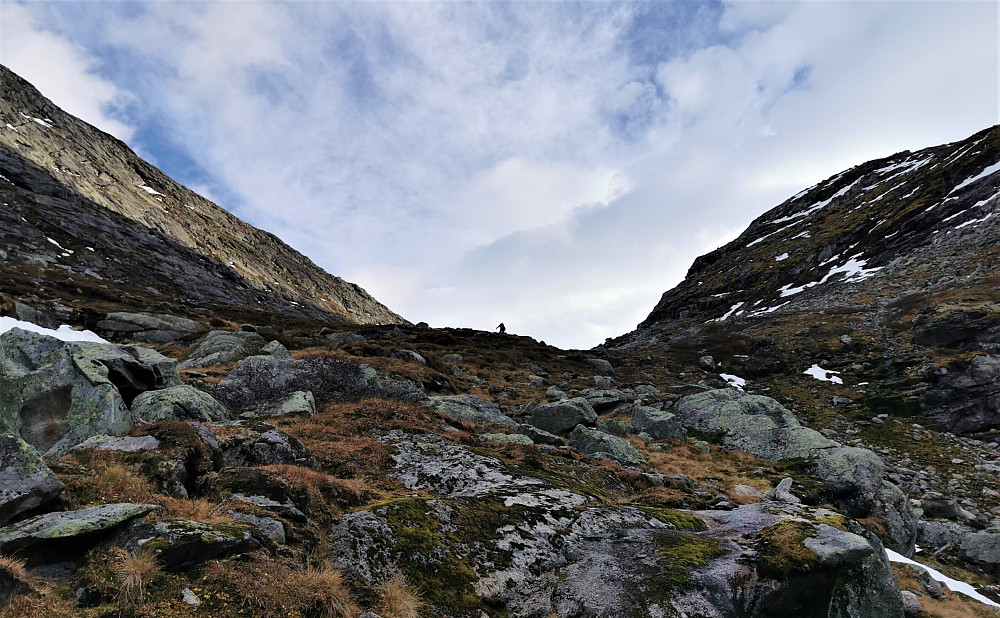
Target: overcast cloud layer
553,166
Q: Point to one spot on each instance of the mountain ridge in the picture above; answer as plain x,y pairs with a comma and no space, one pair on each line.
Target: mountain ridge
104,171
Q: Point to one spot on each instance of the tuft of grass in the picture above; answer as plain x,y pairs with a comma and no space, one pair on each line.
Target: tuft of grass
14,567
267,589
398,599
195,509
111,481
134,573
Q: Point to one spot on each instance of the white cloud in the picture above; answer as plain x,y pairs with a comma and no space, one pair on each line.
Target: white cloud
528,162
63,72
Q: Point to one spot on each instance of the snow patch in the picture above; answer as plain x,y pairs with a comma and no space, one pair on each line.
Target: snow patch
824,375
952,584
736,381
63,333
974,221
728,313
782,257
149,190
47,123
983,174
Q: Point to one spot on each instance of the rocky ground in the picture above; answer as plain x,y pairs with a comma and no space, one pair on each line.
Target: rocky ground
322,470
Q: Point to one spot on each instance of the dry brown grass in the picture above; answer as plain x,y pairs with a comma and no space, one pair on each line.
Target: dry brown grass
110,481
322,487
134,573
342,435
725,469
267,589
398,599
14,567
195,509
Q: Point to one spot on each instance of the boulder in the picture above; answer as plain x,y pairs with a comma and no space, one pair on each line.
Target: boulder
470,409
783,492
56,394
601,365
265,526
938,505
762,427
220,347
276,350
179,544
613,427
507,438
299,403
54,528
25,481
603,400
594,442
252,443
539,436
178,403
410,356
119,444
560,416
147,327
657,423
982,549
339,339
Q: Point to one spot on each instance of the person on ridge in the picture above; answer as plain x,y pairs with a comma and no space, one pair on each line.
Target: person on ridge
502,328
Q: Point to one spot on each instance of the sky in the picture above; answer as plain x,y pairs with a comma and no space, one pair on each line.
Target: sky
555,166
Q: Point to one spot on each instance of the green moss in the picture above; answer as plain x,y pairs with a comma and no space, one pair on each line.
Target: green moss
678,519
780,549
834,521
679,553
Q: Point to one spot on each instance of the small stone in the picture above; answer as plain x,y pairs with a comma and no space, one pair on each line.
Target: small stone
911,604
190,598
783,493
707,362
703,446
842,401
603,382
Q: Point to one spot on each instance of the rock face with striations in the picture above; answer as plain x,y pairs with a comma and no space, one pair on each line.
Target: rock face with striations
64,180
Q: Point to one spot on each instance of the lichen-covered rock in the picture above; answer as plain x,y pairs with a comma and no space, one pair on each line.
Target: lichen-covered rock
56,394
151,328
299,403
470,409
178,403
25,481
63,525
602,366
559,416
603,399
220,347
760,426
266,526
275,349
182,543
657,423
253,443
410,356
339,339
594,442
893,509
539,436
507,438
615,428
120,444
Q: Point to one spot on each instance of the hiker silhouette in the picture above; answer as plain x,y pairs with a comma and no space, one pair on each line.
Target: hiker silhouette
502,328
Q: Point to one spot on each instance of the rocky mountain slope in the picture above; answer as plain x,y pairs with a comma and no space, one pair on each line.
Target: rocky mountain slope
112,216
234,453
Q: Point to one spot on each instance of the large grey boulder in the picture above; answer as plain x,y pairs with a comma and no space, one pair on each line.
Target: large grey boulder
559,416
56,394
761,426
263,384
594,442
220,347
982,549
470,409
25,481
182,543
657,423
178,403
253,443
147,327
63,525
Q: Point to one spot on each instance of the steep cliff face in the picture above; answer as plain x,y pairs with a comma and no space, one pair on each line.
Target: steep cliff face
62,174
888,272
